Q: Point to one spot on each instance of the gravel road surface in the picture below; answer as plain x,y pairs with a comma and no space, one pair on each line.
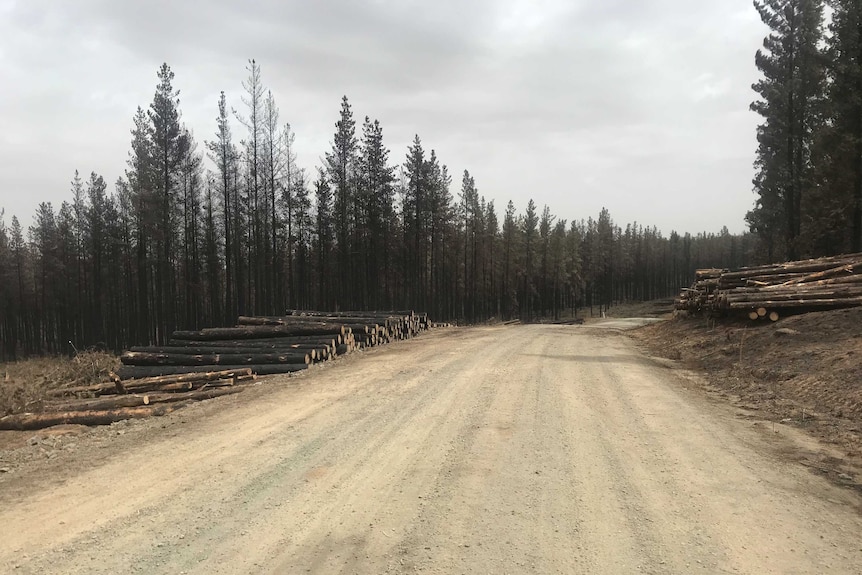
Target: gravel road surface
524,449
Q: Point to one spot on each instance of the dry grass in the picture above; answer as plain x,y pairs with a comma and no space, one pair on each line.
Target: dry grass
24,384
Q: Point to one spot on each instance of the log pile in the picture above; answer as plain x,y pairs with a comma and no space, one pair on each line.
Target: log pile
212,362
272,344
772,290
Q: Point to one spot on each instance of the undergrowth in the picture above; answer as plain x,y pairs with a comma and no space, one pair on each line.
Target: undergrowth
24,384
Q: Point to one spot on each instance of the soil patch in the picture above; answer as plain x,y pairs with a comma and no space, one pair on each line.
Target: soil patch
804,370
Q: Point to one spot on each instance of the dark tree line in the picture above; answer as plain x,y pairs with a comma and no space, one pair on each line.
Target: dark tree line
809,158
194,235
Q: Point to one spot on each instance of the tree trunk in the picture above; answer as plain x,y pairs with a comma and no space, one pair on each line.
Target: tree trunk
145,371
29,421
196,395
207,349
803,303
104,403
144,358
262,331
196,376
271,342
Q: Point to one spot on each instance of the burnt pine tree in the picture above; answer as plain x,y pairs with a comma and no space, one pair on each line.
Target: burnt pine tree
791,86
377,193
412,208
468,208
490,263
442,232
509,290
169,144
214,278
97,224
140,175
324,233
302,231
223,153
255,186
291,180
546,223
531,222
844,110
340,165
190,186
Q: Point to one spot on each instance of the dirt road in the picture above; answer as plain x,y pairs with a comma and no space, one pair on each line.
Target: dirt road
529,449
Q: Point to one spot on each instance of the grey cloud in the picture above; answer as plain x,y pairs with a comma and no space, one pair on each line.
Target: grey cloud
634,106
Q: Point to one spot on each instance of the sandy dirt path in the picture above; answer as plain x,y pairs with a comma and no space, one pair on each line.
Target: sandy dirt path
528,449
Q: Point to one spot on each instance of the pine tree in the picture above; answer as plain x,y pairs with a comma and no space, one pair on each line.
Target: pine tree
255,193
212,260
531,221
490,266
469,213
545,226
413,226
340,166
843,169
278,194
169,145
303,229
792,85
442,234
224,155
323,204
377,195
21,301
190,184
510,238
574,274
43,240
79,211
558,268
97,222
140,176
8,314
292,179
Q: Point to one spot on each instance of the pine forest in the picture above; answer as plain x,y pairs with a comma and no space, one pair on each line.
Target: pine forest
199,232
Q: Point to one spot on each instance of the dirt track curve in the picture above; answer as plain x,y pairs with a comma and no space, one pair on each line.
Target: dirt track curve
528,449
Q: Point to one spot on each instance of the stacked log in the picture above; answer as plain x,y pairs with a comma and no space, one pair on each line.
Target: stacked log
212,362
272,344
772,290
701,295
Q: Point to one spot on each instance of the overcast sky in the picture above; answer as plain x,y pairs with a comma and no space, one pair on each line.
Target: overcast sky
641,107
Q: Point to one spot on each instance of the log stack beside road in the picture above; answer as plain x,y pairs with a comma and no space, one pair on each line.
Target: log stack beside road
208,363
272,344
774,290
